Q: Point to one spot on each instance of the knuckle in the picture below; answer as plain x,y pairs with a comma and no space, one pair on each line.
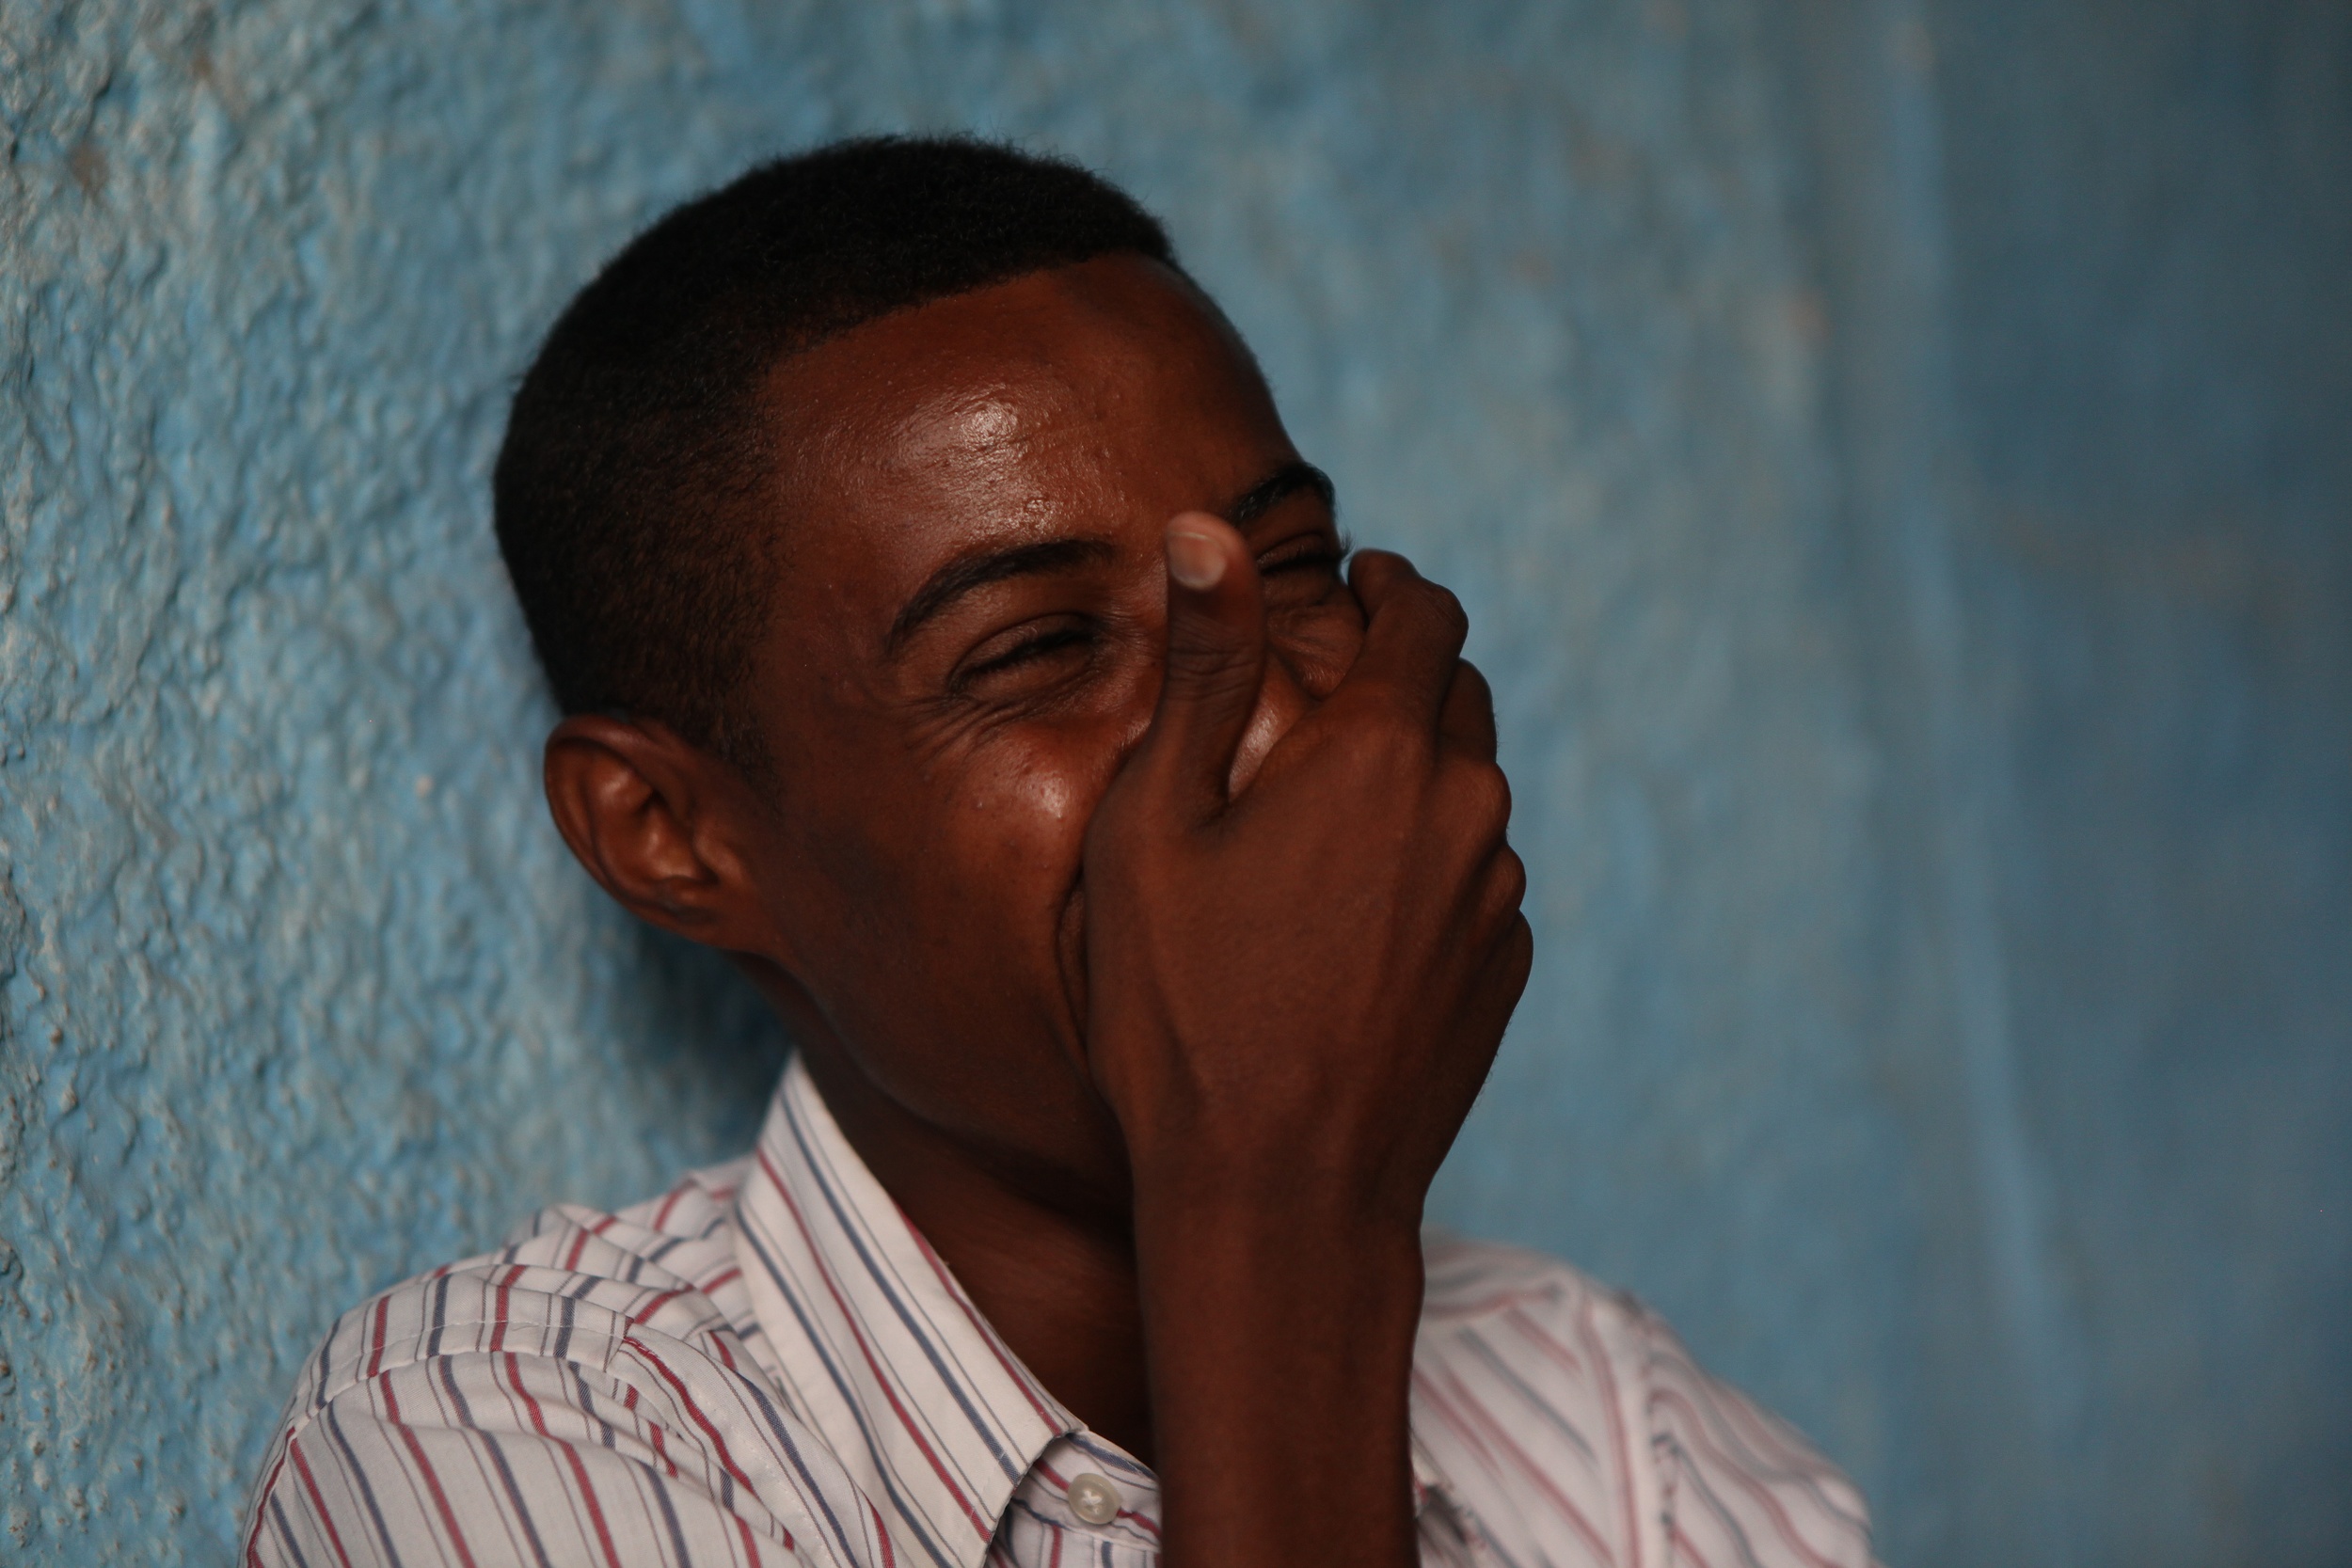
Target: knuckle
1210,665
1503,794
1218,682
1195,641
1498,894
1389,738
1485,796
1511,879
1360,747
1474,682
1445,609
1383,579
1377,766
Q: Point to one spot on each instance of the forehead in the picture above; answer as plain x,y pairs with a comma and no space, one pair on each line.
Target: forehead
1083,400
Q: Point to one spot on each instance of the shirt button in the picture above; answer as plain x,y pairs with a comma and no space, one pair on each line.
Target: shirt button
1094,1500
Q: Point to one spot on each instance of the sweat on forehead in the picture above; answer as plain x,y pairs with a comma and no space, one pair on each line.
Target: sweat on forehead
638,439
997,373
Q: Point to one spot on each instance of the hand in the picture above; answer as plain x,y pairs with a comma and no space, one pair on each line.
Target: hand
1299,988
1293,992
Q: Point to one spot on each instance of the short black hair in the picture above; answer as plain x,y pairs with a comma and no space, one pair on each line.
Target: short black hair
636,443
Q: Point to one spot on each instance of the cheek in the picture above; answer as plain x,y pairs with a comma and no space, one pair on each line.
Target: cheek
1029,790
1043,773
1050,797
1027,814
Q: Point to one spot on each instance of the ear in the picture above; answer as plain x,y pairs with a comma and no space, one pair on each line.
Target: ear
664,827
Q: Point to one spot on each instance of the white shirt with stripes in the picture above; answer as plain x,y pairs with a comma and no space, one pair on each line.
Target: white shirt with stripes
768,1364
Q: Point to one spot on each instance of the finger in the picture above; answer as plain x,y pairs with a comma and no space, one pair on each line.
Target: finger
1475,803
1467,719
1508,967
1504,958
1216,659
1413,634
1502,889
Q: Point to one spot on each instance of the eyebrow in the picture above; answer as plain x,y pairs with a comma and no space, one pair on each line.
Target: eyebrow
1277,487
971,573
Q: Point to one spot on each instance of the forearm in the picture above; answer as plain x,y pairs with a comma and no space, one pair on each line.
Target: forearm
1293,992
1279,1336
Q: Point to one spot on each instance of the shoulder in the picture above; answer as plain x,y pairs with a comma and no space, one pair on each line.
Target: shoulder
699,1206
577,1393
1571,1420
1737,1481
571,1282
1553,1327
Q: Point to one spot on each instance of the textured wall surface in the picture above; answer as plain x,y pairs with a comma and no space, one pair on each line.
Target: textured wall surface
1895,452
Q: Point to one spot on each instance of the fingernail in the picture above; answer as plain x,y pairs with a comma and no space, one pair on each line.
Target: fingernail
1193,558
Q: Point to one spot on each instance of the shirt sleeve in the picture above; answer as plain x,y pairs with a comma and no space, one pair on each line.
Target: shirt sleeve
503,1412
491,1459
1737,1484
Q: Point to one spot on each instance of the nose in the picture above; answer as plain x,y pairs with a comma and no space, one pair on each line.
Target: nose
1282,701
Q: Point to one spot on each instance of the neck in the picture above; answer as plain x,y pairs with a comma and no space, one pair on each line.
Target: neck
1057,1284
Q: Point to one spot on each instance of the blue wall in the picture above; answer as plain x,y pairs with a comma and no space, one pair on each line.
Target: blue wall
1895,452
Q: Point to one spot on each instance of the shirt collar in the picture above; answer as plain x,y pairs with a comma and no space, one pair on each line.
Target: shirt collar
877,1345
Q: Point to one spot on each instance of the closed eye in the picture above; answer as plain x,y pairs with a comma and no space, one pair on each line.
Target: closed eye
1310,552
1025,650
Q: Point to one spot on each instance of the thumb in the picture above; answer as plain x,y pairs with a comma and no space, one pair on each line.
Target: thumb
1216,659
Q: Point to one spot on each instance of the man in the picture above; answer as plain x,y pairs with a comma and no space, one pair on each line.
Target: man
947,629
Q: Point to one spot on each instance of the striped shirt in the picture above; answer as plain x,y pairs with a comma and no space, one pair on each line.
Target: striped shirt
768,1365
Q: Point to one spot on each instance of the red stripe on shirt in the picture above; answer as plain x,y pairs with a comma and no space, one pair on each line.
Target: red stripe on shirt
383,1319
1475,1411
580,1468
432,1477
318,1503
678,1385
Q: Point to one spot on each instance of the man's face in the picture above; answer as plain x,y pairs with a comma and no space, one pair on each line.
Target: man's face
967,639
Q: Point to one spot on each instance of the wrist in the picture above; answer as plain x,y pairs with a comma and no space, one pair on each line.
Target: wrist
1279,1340
1282,1227
1233,1171
1281,1219
1251,1282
